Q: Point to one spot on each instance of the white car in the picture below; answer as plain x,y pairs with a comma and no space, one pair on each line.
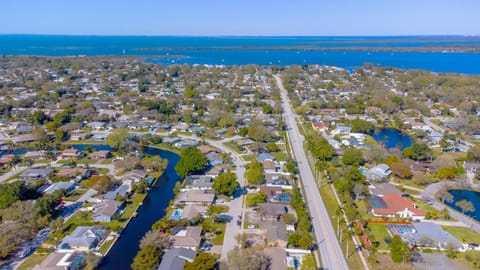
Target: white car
251,226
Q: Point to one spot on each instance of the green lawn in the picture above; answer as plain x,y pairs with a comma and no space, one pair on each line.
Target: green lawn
328,197
31,261
463,234
75,195
234,146
86,160
380,232
106,246
218,240
107,161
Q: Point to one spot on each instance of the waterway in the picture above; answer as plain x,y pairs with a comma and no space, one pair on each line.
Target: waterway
228,50
122,253
392,138
469,195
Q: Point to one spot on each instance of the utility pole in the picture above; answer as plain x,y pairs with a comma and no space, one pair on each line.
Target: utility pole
346,253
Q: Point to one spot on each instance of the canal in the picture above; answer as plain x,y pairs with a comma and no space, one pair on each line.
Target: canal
122,253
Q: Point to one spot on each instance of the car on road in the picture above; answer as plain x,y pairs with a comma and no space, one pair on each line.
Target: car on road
251,226
239,222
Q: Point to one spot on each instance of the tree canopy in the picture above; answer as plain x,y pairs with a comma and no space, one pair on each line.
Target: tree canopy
203,261
352,156
147,258
225,183
191,160
254,173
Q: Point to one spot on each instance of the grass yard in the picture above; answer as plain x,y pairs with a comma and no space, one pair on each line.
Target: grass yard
86,160
463,234
234,146
218,240
328,197
380,232
31,261
75,195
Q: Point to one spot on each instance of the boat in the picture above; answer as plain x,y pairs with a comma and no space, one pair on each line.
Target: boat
134,215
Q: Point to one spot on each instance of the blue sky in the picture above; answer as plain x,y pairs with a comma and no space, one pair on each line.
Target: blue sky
240,17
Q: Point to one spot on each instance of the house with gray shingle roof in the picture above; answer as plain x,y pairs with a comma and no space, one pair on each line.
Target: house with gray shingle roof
83,238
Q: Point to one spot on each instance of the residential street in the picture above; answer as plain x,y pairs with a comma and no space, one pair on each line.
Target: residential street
330,252
236,205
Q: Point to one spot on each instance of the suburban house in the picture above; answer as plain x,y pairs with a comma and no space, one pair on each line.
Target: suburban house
378,173
272,211
104,211
35,155
133,176
196,196
193,210
275,233
70,154
341,130
76,173
277,258
174,259
4,160
35,174
186,237
100,155
424,234
471,167
394,205
62,261
67,186
186,143
320,126
198,182
121,191
276,194
83,238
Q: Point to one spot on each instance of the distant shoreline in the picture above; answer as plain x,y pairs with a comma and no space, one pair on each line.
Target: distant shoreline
446,49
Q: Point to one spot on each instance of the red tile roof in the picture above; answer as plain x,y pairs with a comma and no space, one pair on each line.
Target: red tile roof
395,204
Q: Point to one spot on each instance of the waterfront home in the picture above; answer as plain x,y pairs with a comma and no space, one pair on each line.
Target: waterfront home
394,205
83,238
172,140
35,155
67,186
100,155
76,173
100,137
121,191
79,135
186,143
378,173
134,176
96,125
186,237
175,259
104,211
70,154
196,196
275,233
62,261
198,182
35,174
193,210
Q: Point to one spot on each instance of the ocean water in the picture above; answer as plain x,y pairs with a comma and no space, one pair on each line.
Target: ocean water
253,50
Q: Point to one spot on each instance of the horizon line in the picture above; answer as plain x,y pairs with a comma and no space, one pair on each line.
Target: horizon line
221,35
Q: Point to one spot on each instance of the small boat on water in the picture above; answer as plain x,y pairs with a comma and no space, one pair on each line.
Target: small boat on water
134,215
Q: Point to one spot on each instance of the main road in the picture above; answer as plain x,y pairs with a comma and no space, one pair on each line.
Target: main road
330,252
